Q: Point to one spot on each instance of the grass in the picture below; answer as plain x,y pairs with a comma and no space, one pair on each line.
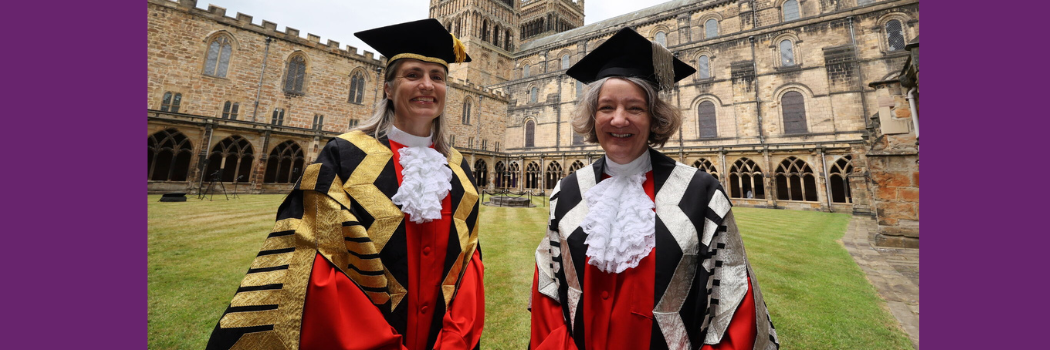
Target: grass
818,298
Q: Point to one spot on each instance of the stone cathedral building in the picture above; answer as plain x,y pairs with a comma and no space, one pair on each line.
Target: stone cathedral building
796,104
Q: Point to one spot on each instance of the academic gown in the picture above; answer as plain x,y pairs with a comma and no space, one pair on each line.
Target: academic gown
694,290
344,268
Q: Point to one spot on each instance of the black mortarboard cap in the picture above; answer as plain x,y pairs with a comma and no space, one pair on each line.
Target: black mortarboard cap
628,54
425,40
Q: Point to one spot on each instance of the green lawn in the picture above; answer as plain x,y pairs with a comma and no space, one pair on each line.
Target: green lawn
818,298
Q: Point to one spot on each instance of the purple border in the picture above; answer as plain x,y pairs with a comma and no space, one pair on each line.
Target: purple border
74,277
980,257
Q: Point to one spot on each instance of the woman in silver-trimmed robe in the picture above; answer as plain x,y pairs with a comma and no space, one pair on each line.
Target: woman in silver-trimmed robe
641,252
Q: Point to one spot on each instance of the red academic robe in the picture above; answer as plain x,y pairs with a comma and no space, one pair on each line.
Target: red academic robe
618,309
337,315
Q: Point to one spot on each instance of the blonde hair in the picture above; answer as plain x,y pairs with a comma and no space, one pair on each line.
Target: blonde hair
665,118
380,121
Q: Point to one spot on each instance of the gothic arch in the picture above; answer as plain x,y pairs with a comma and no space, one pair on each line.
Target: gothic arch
481,173
532,176
234,156
746,180
285,163
838,179
795,180
169,156
553,174
705,165
575,166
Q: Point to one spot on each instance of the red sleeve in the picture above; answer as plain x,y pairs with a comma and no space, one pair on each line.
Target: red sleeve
548,325
337,315
742,329
462,324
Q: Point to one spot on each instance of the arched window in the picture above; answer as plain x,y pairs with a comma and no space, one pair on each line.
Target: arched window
703,65
278,116
495,35
481,173
229,110
839,179
500,171
295,75
707,119
169,156
357,88
794,108
232,159
530,134
710,28
525,71
895,35
485,30
565,61
513,174
579,89
466,112
553,174
534,95
532,175
745,180
787,53
171,102
795,181
218,60
660,38
575,166
790,10
506,41
706,166
285,164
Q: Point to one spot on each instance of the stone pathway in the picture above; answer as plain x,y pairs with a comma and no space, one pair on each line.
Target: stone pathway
893,271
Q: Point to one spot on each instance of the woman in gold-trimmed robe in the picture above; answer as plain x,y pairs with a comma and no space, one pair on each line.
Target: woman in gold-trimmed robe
377,245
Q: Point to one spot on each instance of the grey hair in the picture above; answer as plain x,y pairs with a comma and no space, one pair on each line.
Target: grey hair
383,118
665,119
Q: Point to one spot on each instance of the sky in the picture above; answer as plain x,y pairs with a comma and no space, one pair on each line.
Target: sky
338,20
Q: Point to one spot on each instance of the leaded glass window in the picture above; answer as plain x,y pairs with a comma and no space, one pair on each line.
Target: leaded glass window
708,122
787,53
794,113
218,59
790,9
895,35
710,29
703,64
295,75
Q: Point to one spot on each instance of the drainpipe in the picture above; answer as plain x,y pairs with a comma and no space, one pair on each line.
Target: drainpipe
860,75
258,92
758,104
914,111
203,160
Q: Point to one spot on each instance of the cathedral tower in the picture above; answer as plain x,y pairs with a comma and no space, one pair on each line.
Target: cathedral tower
540,18
488,29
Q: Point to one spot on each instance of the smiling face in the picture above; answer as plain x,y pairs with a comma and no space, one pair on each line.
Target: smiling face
418,93
622,120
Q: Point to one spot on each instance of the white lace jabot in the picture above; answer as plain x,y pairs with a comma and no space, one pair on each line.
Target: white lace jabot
425,177
620,222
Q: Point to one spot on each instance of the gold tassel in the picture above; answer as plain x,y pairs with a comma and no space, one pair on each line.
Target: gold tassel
663,65
458,49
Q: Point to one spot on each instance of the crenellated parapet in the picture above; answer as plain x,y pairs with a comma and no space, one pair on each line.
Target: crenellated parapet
269,29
